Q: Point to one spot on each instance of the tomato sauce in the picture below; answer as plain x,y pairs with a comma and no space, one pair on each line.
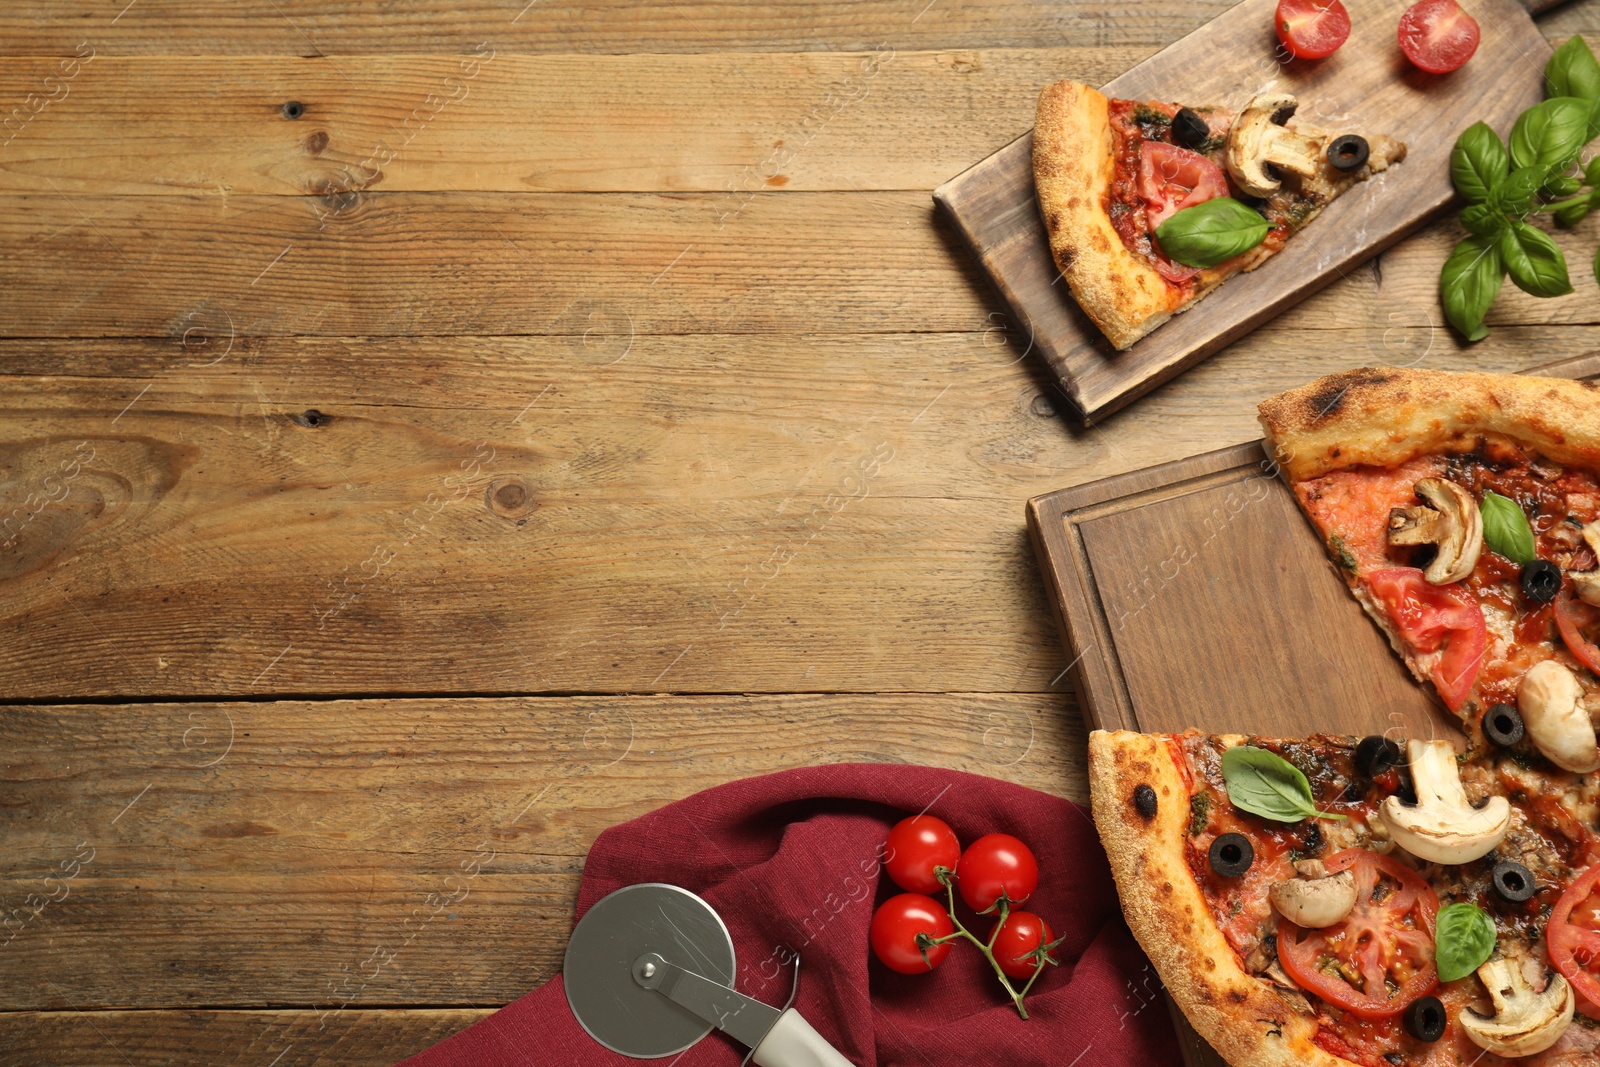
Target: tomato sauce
1132,124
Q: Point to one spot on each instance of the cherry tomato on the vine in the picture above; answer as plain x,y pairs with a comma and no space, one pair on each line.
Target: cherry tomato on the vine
1437,36
895,926
915,847
1312,29
1016,942
993,865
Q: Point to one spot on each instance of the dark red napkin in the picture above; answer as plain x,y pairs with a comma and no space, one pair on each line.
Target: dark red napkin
791,862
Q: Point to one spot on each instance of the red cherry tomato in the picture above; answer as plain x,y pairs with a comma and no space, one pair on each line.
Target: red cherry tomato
1312,29
997,864
1437,36
1431,617
1379,958
1573,616
896,926
1574,936
1016,942
915,847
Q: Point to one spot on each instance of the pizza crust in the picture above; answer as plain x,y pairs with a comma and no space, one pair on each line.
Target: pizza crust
1242,1017
1384,416
1072,172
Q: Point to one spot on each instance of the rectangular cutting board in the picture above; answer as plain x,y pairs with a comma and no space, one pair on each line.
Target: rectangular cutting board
1366,86
1196,593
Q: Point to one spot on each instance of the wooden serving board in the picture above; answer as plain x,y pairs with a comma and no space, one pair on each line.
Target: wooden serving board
1195,593
1367,85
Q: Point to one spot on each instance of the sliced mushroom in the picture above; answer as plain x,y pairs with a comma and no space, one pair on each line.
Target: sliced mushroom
1587,585
1525,1021
1443,826
1551,701
1315,902
1591,536
1258,139
1449,518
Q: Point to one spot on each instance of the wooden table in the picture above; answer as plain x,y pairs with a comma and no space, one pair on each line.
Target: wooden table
436,429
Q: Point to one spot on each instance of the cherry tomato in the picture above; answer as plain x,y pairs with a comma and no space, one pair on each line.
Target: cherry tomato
1312,29
1437,36
896,925
1573,616
1574,936
1431,617
915,847
1014,945
1379,958
997,864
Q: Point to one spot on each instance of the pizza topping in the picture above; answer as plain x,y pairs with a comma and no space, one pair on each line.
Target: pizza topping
1265,784
1464,937
1377,755
1572,618
1431,618
1587,585
1315,902
1348,153
1231,855
1541,581
1443,826
1502,724
1574,935
1506,528
1513,881
1551,700
1259,142
1525,1021
1448,518
1425,1020
1189,129
1172,178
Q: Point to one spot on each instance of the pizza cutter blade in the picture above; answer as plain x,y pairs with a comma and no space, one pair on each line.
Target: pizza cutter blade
649,972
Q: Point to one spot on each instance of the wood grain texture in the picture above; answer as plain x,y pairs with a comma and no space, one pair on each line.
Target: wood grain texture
993,203
232,863
740,123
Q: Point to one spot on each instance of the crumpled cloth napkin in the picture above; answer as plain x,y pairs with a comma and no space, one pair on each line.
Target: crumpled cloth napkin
791,861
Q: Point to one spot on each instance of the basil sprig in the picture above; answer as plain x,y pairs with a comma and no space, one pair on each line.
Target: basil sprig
1463,940
1211,232
1506,529
1505,186
1265,784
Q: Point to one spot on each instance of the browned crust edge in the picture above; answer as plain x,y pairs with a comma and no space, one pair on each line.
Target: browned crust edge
1072,172
1241,1016
1386,415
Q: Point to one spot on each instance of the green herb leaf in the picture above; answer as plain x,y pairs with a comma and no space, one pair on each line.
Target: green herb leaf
1484,220
1573,214
1534,262
1573,71
1591,173
1563,185
1478,162
1265,784
1470,281
1515,194
1463,940
1209,233
1552,133
1506,529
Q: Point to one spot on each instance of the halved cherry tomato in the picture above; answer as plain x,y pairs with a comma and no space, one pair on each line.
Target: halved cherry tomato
896,926
1312,29
1437,36
1018,940
1574,937
1386,941
1172,178
1572,617
1431,617
917,846
997,864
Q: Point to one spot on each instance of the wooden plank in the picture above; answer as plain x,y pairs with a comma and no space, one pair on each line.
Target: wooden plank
253,854
1229,61
740,123
246,1038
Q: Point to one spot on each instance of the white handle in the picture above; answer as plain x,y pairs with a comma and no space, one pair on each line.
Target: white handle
793,1043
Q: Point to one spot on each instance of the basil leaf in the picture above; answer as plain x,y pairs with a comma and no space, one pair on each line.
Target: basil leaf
1573,71
1534,262
1265,784
1573,214
1478,162
1463,940
1591,173
1506,529
1552,133
1483,220
1515,194
1211,232
1564,185
1470,281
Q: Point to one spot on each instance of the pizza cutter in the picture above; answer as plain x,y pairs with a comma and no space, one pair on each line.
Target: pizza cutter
649,972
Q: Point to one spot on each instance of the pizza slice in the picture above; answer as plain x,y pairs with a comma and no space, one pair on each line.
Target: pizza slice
1109,172
1339,900
1460,509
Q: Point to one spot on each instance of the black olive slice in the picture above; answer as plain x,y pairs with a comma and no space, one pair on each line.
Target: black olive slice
1231,855
1189,129
1502,724
1541,581
1376,754
1348,153
1425,1019
1144,800
1513,881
